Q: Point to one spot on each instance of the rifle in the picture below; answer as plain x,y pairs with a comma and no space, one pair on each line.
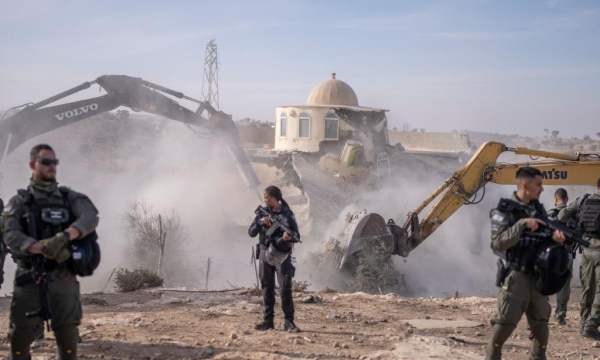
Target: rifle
39,276
570,233
277,223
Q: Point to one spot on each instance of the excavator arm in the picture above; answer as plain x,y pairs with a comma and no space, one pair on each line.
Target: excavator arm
465,184
35,119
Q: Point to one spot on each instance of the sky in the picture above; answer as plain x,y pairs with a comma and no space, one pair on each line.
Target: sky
514,67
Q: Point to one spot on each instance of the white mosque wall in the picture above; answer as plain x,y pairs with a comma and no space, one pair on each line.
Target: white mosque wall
292,139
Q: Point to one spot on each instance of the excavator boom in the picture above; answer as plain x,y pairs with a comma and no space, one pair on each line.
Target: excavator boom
138,94
463,187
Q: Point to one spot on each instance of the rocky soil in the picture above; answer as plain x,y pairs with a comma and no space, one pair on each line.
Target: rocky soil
169,324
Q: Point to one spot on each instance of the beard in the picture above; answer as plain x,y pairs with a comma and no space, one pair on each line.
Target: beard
50,177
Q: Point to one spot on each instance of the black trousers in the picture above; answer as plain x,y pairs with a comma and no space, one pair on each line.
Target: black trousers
285,272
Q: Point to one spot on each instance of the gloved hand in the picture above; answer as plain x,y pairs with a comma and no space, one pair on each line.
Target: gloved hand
51,248
63,255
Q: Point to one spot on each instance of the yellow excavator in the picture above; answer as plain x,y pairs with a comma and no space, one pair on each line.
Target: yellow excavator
462,188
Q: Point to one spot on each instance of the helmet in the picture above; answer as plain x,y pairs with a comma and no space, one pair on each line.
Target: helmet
276,257
553,269
85,255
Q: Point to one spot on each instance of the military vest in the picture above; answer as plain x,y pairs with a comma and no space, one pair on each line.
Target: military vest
589,217
51,215
523,256
44,218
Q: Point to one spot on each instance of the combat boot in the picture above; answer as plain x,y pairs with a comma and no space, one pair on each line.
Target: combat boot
290,326
591,334
265,325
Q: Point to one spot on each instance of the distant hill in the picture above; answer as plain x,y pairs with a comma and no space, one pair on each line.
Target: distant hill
556,144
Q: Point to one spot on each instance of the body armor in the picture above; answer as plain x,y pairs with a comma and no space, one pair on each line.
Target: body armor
536,253
52,216
589,217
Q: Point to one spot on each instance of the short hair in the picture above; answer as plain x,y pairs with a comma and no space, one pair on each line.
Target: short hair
35,151
598,183
527,173
561,194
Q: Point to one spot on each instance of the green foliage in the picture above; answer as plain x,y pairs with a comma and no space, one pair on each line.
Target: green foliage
128,281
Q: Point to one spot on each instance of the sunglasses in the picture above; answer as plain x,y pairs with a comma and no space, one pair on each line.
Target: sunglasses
48,162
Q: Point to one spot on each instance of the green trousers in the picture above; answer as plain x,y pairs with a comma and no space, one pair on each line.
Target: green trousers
562,297
65,303
518,295
589,271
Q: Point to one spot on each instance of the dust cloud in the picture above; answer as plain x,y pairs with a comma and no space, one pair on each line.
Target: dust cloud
457,257
155,160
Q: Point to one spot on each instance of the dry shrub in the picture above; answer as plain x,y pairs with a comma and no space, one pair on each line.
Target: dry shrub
375,272
142,227
300,286
128,281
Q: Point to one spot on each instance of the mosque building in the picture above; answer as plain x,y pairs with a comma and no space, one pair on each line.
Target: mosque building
331,118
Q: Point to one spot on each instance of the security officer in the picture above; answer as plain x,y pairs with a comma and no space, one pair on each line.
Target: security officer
515,232
285,271
587,210
43,197
561,199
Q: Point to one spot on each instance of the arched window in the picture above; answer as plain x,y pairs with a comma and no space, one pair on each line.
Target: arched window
304,125
283,125
331,126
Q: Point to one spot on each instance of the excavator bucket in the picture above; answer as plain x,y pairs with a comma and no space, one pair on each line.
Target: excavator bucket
359,230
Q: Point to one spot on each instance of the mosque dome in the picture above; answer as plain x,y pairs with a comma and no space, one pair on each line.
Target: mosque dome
332,92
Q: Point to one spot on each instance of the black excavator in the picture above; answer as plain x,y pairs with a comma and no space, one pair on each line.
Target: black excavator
32,119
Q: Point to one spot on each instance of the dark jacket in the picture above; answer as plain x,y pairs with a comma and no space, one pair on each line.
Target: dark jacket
259,228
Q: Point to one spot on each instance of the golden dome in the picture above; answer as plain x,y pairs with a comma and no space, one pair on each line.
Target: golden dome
332,92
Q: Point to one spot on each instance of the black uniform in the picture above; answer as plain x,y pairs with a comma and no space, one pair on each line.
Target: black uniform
285,272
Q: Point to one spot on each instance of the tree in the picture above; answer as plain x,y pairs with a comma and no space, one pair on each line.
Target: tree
142,228
555,133
587,138
545,133
598,134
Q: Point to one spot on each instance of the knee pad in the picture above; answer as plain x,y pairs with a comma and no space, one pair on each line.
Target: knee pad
67,338
20,341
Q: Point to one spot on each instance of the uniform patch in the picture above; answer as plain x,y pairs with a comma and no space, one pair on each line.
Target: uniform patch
498,217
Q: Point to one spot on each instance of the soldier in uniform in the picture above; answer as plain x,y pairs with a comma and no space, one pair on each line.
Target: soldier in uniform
43,193
514,233
285,271
587,210
561,199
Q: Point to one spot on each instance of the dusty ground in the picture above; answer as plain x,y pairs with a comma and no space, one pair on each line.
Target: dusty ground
190,325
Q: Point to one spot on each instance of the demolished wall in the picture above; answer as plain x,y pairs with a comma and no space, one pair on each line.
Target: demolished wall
430,142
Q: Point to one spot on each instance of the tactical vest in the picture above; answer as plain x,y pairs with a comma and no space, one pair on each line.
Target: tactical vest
589,217
45,217
523,256
553,213
51,216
